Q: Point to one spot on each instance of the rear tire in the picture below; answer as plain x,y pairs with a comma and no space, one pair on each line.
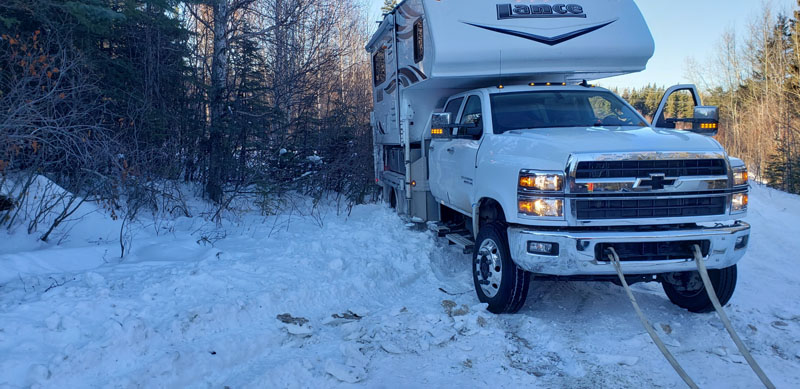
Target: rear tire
498,280
683,290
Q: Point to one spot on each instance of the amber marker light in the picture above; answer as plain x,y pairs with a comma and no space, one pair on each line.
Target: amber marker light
527,182
526,207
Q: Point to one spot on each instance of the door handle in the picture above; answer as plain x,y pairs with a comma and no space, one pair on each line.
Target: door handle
451,150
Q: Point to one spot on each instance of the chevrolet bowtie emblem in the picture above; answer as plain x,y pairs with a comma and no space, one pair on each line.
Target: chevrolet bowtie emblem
656,182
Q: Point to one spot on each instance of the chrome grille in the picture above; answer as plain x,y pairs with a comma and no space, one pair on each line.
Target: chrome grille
644,168
639,208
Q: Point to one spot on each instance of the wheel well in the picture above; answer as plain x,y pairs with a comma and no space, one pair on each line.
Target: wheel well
392,198
489,211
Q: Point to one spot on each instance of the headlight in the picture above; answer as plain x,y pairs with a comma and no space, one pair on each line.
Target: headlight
541,207
541,181
739,202
740,176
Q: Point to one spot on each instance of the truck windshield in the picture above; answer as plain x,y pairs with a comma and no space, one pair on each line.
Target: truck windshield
548,109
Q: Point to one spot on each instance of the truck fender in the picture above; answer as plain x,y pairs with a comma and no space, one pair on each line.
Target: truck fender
476,213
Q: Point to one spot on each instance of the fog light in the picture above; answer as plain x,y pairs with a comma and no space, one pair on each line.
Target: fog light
543,248
739,202
741,242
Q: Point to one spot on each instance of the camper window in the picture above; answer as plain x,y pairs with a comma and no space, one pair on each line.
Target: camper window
419,41
379,67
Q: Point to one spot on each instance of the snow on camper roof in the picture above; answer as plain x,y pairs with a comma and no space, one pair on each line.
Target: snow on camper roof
534,40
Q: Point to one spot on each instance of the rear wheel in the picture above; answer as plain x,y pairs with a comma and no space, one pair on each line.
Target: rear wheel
498,280
687,291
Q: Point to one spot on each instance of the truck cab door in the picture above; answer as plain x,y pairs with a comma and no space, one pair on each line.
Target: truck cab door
441,163
678,103
464,154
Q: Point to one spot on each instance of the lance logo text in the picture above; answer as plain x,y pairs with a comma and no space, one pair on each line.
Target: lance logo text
516,11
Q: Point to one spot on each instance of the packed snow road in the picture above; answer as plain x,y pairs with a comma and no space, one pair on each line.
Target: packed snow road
333,299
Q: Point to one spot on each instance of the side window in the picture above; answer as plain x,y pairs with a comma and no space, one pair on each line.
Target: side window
472,111
419,41
379,67
472,114
452,108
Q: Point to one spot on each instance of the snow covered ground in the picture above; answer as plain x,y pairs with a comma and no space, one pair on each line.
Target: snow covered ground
330,300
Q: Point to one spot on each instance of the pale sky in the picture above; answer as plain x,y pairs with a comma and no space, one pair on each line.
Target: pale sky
681,29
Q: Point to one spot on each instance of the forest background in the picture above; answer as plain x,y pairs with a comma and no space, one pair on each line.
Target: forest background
131,102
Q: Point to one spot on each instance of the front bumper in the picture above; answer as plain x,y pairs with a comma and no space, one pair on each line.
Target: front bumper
576,255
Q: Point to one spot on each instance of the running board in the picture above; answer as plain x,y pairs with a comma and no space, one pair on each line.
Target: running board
440,229
466,244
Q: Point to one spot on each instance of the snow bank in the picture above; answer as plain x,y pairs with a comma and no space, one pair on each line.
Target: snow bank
332,300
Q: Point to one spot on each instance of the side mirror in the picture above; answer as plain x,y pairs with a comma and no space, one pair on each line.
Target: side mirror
706,120
440,125
474,130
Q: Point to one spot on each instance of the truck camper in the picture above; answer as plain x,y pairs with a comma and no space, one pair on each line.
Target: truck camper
487,129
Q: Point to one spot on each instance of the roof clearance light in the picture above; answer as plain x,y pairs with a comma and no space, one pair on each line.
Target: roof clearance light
548,84
500,86
563,84
532,84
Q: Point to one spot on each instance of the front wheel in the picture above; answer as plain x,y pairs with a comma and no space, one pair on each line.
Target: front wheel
687,291
498,280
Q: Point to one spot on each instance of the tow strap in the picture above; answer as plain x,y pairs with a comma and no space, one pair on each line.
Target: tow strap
701,267
712,295
671,359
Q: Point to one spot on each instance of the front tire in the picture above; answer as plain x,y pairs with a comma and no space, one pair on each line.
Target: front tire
687,291
498,280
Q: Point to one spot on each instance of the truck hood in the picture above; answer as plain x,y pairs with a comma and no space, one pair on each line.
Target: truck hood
557,144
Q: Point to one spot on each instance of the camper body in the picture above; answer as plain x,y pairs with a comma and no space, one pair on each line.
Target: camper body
486,129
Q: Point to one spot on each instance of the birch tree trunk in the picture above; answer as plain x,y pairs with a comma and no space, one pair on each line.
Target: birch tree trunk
219,77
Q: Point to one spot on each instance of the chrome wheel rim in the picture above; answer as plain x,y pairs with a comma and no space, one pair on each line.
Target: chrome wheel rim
489,268
687,284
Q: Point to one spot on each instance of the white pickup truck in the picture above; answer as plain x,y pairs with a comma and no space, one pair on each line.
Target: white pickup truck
486,129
